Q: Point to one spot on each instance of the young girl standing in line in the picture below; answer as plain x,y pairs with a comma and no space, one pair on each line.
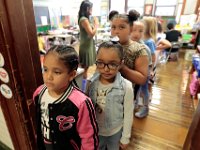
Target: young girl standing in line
135,66
150,33
137,35
112,96
65,116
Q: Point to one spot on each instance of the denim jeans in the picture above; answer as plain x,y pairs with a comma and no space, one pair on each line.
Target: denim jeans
110,142
144,91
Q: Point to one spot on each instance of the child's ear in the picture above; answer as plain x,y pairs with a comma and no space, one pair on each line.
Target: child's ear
122,63
72,75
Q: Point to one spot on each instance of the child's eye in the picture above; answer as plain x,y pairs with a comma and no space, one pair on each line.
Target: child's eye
57,72
121,28
44,69
114,65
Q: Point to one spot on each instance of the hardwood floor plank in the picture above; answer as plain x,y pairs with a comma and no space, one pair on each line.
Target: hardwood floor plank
171,110
142,140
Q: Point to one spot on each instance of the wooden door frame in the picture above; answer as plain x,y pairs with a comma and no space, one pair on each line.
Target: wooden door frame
18,44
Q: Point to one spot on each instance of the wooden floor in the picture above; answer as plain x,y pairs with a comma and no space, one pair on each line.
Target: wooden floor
171,109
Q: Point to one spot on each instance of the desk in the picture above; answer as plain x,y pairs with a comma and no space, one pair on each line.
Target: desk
57,39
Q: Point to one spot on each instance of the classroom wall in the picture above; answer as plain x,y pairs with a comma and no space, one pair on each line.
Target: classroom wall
149,1
190,7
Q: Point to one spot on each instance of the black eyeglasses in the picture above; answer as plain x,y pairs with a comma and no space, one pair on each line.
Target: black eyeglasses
111,66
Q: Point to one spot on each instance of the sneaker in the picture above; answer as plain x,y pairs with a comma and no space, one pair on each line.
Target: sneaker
140,101
143,112
136,107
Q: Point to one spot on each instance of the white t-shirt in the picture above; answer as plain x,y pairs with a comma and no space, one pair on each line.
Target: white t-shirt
45,101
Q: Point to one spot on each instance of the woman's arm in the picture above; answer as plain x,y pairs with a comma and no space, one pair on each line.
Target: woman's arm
139,75
86,25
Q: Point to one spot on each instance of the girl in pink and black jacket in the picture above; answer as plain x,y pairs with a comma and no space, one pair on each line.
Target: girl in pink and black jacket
65,116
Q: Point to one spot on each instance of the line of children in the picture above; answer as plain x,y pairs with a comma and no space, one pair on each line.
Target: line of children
66,118
112,96
146,30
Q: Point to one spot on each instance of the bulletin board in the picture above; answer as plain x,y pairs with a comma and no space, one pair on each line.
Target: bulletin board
40,11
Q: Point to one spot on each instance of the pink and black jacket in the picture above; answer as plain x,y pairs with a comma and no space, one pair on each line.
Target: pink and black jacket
72,122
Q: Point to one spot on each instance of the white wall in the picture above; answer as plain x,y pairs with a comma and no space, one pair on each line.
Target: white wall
190,7
4,134
69,7
149,1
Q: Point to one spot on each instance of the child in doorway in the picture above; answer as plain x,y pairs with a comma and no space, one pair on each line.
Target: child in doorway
64,115
112,96
137,35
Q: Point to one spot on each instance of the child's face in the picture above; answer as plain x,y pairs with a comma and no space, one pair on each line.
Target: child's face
108,64
120,28
56,75
137,32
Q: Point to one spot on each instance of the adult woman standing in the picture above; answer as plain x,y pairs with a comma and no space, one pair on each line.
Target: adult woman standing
87,52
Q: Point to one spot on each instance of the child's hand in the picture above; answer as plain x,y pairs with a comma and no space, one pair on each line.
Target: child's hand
159,47
123,146
151,74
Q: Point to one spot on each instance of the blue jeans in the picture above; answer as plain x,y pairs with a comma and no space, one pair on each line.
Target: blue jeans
110,142
144,91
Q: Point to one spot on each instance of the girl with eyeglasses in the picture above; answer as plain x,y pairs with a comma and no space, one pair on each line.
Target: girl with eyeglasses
112,96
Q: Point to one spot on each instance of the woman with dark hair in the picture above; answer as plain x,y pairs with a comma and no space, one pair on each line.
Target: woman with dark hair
87,52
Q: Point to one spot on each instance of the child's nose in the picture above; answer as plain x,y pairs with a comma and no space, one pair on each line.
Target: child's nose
106,68
115,32
49,76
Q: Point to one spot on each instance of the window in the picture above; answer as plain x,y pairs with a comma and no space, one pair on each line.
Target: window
165,8
118,5
165,11
166,2
138,5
